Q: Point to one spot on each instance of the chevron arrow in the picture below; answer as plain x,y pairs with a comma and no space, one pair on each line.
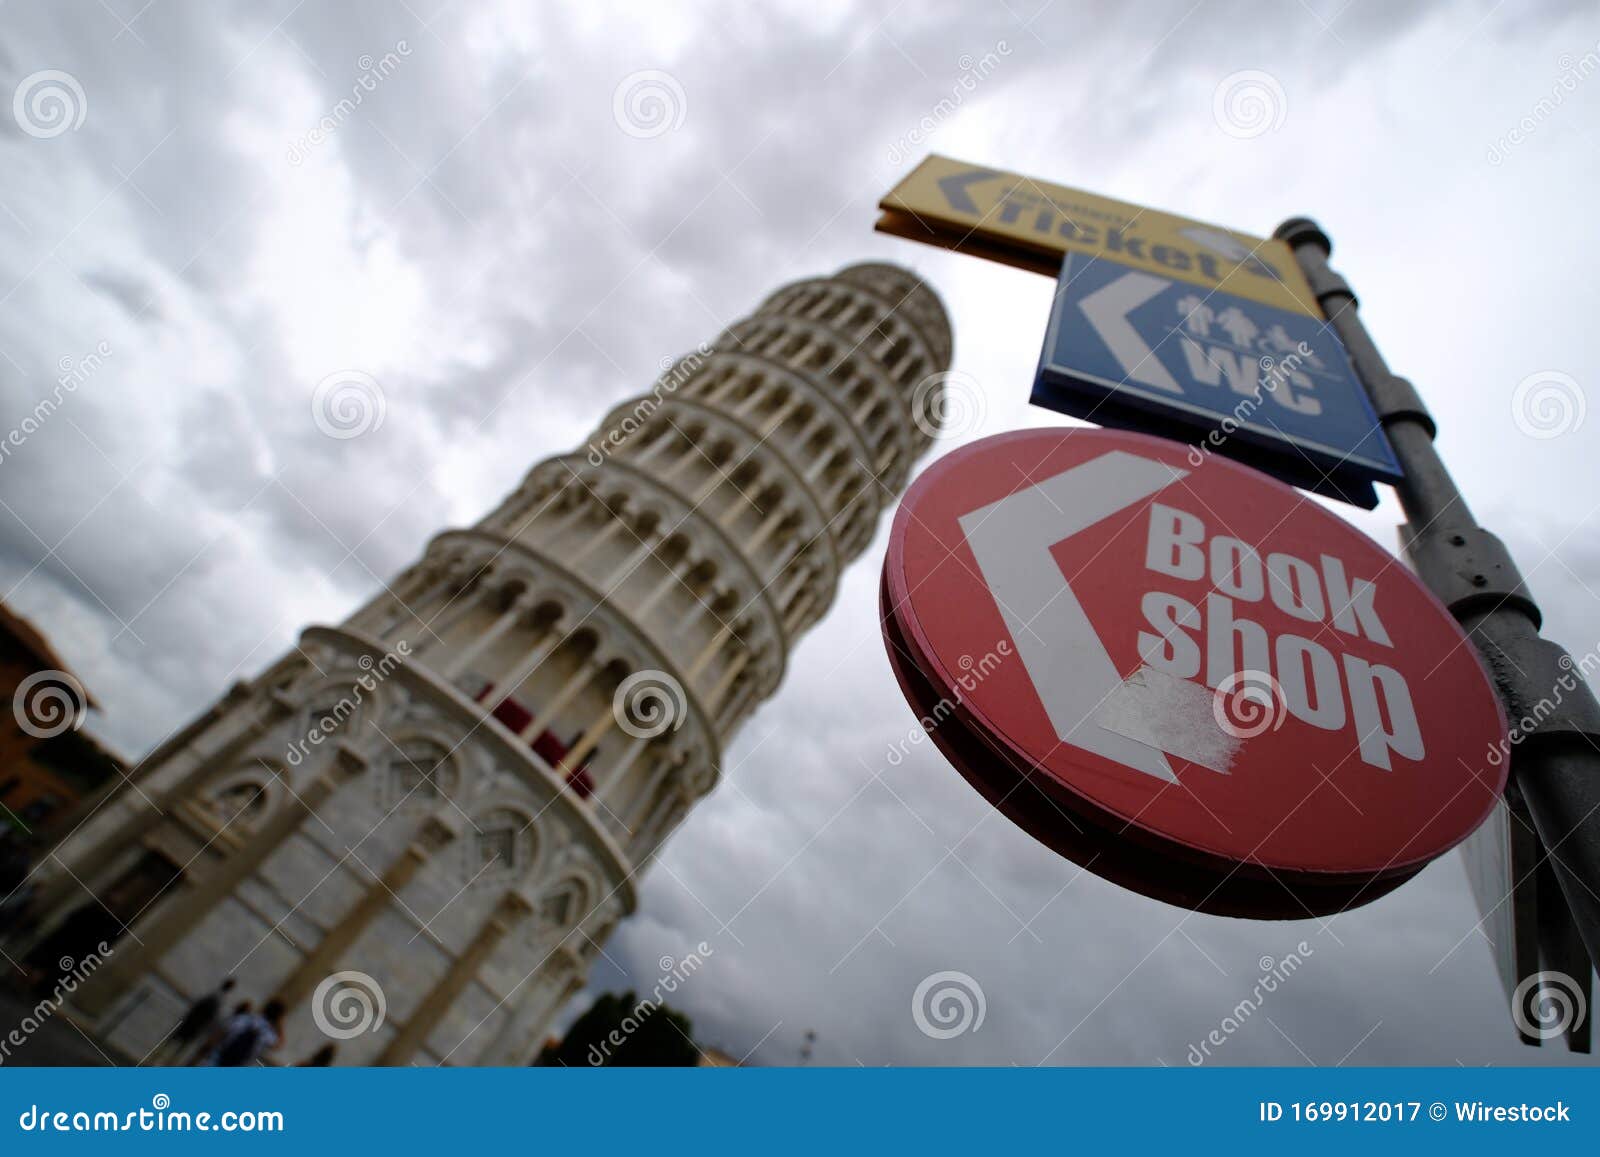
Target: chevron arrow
954,188
1107,309
1068,664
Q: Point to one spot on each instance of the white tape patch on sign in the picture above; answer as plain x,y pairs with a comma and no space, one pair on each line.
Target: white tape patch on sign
1171,714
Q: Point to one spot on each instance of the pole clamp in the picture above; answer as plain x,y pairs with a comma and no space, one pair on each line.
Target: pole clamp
1544,689
1397,400
1470,570
1327,284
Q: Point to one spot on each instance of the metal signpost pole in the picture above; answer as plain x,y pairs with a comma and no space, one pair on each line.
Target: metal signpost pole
1555,720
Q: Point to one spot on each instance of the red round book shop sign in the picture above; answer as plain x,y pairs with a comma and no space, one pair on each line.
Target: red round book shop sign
1189,679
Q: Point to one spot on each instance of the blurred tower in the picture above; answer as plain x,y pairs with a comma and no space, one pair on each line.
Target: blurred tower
417,827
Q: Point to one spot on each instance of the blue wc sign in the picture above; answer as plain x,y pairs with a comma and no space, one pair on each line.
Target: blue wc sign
1231,375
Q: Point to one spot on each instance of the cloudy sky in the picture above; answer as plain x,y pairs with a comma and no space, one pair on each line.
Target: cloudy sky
506,253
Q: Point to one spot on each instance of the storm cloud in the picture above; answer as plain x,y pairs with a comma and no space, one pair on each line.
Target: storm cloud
506,215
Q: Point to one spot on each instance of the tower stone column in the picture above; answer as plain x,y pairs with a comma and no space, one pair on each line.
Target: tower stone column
529,710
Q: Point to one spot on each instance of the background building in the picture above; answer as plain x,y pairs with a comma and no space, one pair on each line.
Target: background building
47,762
416,827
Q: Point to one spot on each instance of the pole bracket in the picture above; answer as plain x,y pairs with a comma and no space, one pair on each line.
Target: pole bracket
1469,569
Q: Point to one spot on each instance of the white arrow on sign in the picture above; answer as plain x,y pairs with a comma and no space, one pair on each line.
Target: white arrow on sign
1107,309
1068,664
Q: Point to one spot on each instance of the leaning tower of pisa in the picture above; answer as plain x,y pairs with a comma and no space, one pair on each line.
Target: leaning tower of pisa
417,828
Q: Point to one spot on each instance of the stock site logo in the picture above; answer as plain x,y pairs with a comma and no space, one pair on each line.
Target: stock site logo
49,703
948,1004
1548,404
649,703
347,1004
49,103
1548,1005
1248,703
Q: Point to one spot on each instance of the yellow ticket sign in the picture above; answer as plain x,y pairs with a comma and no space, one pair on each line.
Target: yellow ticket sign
1034,224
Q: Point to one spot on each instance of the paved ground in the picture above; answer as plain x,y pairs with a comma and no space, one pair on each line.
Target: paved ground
55,1041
